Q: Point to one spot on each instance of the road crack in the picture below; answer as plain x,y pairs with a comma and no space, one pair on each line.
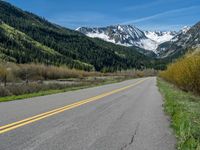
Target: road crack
132,139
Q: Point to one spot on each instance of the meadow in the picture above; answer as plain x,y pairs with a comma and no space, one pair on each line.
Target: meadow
19,81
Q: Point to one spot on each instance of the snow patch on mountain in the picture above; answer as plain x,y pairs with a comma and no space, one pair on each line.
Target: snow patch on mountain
185,29
101,36
160,37
128,35
147,44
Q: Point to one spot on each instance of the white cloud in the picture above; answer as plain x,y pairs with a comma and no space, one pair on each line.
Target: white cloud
166,13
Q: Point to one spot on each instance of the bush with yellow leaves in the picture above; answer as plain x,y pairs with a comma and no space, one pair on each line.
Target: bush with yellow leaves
185,73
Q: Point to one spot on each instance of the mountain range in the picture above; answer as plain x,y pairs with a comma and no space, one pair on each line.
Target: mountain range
128,35
26,37
188,39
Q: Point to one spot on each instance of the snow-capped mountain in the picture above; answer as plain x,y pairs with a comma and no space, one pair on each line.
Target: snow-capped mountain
128,35
188,38
185,29
180,33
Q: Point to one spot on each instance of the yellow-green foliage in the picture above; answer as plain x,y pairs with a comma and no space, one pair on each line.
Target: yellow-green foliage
16,34
185,73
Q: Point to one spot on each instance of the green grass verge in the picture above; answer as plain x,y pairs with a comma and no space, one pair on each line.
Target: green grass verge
184,109
49,92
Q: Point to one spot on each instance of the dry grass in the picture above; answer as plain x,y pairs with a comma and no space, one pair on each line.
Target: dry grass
20,79
10,72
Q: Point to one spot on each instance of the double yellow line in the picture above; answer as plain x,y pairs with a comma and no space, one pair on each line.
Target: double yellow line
12,126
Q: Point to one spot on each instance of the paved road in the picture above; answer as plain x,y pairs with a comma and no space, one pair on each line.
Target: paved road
130,118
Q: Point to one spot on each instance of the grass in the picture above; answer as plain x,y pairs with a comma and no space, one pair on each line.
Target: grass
184,109
49,92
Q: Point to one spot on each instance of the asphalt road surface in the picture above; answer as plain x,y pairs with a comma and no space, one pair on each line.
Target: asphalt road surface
121,116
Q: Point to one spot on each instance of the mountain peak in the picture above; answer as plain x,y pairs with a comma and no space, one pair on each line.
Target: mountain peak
129,35
185,29
125,35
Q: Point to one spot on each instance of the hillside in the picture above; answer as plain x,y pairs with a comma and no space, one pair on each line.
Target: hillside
25,37
179,45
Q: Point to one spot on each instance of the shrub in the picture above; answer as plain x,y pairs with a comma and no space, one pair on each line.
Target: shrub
34,72
185,73
6,73
4,92
19,89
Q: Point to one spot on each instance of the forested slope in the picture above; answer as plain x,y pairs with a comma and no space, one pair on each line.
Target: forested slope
25,37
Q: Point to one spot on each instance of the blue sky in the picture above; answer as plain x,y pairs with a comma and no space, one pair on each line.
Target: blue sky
145,14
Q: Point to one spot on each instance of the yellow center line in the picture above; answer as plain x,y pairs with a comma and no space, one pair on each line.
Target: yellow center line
41,116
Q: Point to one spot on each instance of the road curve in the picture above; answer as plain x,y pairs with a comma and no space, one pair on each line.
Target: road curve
120,116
